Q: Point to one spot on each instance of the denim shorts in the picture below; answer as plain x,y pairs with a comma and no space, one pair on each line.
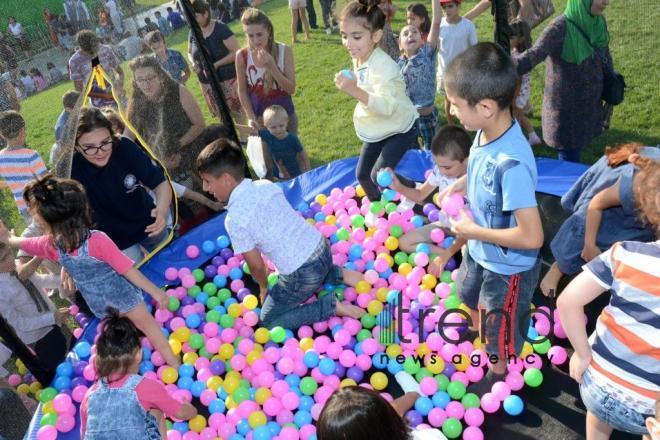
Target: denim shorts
506,303
610,409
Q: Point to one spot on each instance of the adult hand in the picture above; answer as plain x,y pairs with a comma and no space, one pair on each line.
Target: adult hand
61,315
159,223
346,85
263,291
578,365
263,59
464,227
589,252
173,161
67,282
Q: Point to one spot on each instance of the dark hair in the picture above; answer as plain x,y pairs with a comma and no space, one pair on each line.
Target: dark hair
147,20
157,13
213,132
168,9
11,124
63,205
116,345
87,41
113,116
35,71
646,189
70,98
453,142
356,413
154,37
483,71
368,10
92,118
222,156
520,28
49,65
420,10
200,7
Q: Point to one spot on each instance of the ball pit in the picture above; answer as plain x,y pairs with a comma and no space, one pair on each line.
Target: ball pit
260,384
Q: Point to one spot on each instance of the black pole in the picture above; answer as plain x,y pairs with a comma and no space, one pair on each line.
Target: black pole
208,67
502,30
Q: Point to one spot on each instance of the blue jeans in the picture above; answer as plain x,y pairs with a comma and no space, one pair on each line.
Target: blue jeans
610,409
136,251
569,154
284,303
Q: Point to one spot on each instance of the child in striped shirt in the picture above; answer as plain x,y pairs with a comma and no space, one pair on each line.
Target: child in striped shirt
618,367
18,164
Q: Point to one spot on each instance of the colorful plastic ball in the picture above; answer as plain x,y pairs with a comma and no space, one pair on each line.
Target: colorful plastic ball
474,417
65,423
378,380
197,423
62,402
557,355
490,403
261,433
423,405
192,251
428,386
208,247
452,428
456,389
384,178
437,235
82,349
473,433
308,386
222,241
533,377
471,400
327,366
48,419
47,394
171,274
169,375
513,405
277,334
47,432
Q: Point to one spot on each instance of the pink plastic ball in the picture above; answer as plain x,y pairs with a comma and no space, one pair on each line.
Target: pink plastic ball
515,381
187,281
47,432
473,433
171,274
437,417
173,434
347,358
437,235
428,386
289,433
342,337
65,423
455,409
421,259
14,380
474,374
473,416
89,373
290,400
77,333
557,355
490,403
61,403
78,393
501,390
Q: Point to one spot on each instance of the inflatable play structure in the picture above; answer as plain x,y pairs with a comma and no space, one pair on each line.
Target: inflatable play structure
251,383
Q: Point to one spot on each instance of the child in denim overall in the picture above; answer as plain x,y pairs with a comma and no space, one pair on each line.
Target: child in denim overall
122,405
102,273
260,220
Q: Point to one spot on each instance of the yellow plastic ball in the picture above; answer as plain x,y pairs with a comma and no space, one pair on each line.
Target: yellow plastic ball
405,269
465,308
230,403
35,387
230,385
378,380
48,407
226,351
387,257
197,423
436,199
261,395
214,383
306,344
250,302
391,243
261,335
359,191
463,364
331,220
233,375
19,363
423,349
258,348
477,344
527,349
321,199
381,294
182,334
362,287
257,418
21,369
170,375
370,232
311,221
175,345
393,350
429,281
252,356
435,364
374,307
234,310
348,382
190,358
23,388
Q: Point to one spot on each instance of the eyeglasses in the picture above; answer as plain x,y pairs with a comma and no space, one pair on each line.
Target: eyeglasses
447,5
146,79
91,150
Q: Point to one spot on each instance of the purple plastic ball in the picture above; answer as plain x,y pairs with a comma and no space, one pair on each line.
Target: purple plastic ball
355,373
210,271
340,370
434,215
217,261
187,300
428,208
449,369
414,418
451,264
226,253
242,293
218,368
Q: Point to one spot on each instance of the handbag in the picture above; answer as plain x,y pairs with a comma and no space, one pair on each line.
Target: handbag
614,83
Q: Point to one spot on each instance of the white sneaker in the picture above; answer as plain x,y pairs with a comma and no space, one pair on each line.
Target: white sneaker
328,30
370,219
405,205
534,139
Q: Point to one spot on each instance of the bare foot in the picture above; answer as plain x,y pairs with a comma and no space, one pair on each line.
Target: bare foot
550,281
351,277
349,310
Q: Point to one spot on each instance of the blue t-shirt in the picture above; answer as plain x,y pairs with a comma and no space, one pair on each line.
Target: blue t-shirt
419,74
175,64
501,178
175,19
284,150
121,206
59,125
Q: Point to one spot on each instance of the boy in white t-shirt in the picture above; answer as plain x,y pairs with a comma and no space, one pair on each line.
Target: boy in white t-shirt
450,150
456,34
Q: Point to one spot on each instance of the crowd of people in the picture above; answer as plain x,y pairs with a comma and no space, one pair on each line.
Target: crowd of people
116,208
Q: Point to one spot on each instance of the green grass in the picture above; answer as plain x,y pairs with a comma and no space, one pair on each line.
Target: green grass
325,114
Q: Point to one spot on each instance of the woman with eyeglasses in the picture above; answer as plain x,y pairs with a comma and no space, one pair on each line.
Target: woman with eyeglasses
117,175
167,117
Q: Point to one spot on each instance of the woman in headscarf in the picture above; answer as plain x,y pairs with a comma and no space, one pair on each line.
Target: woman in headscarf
575,48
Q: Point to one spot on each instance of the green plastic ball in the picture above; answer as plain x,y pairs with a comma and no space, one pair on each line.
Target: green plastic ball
194,291
210,288
48,419
196,341
471,400
198,274
543,347
443,382
357,221
47,394
411,365
400,258
411,259
396,231
390,207
173,304
456,389
204,353
212,302
533,377
213,316
422,373
446,277
376,207
363,334
227,321
240,394
452,302
224,294
246,269
272,279
452,428
368,320
308,386
343,234
277,334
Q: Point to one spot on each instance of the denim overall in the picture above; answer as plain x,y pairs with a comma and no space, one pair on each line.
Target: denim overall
99,283
116,414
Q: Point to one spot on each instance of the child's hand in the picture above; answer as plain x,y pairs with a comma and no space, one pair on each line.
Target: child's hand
66,281
578,365
254,126
216,206
438,264
590,252
5,233
159,223
263,291
161,299
346,85
464,227
284,172
459,186
396,184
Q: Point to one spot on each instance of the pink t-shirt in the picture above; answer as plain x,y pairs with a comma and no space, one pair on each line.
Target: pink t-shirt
151,395
99,246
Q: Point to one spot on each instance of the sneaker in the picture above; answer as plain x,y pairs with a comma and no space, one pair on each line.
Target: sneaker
405,205
370,219
534,139
328,30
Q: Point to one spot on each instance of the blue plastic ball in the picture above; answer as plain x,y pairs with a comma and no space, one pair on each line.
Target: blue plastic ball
62,383
423,405
441,399
261,433
423,248
513,405
379,360
208,247
193,320
146,366
302,418
327,366
197,388
235,273
222,242
220,281
217,406
64,369
448,242
185,382
186,370
182,427
384,178
82,349
311,359
393,366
